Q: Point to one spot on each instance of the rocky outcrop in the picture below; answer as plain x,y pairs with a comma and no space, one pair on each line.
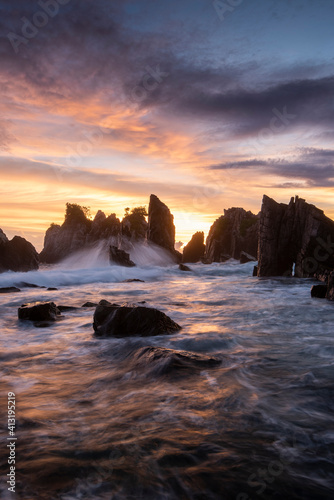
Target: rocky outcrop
195,249
17,254
119,257
232,233
43,311
9,289
161,229
76,233
129,321
297,234
182,267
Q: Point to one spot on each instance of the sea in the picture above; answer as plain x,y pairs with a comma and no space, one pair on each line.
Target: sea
97,418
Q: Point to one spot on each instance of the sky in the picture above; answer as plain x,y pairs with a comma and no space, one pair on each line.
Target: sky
207,104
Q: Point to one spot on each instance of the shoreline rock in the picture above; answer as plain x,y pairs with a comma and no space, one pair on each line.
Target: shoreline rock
17,255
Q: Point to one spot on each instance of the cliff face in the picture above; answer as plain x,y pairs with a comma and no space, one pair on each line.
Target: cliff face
74,235
17,255
297,233
161,229
195,249
232,233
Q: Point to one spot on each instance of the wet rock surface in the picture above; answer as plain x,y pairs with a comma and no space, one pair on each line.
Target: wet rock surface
131,320
42,311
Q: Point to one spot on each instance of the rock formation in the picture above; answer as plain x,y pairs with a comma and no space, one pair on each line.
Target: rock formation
195,249
77,232
232,233
42,311
17,254
128,321
161,229
119,257
295,234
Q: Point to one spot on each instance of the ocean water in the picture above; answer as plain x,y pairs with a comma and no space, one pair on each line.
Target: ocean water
97,418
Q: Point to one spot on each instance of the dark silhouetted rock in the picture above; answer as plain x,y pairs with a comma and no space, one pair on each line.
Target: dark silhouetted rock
161,229
195,249
255,271
43,311
67,308
319,291
17,255
330,287
232,233
89,304
78,233
52,289
120,257
298,233
165,361
9,289
182,267
130,321
246,257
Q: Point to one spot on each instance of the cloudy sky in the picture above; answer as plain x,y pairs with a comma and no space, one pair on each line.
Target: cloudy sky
207,104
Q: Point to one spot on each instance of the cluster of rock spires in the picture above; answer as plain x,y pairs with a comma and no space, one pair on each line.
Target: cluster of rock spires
286,239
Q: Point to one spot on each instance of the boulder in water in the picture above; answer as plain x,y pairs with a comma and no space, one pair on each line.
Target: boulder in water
319,291
119,257
41,311
131,321
246,257
182,267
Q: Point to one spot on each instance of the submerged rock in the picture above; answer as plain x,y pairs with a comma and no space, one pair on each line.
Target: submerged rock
9,289
166,361
319,291
130,321
120,257
89,304
195,249
17,255
42,311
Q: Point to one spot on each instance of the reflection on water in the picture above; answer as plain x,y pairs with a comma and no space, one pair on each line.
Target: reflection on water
99,419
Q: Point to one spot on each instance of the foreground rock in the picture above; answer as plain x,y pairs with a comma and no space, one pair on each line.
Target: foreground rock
130,321
161,229
195,249
234,232
43,311
17,255
164,361
298,233
120,257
